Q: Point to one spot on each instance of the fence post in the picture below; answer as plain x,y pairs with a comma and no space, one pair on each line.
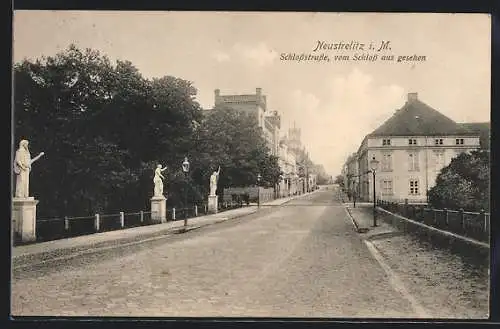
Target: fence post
483,217
195,210
406,208
205,206
96,223
122,219
434,213
462,222
142,216
173,213
445,216
66,223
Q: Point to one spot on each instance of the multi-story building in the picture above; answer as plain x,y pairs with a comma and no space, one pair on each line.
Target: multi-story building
256,105
411,147
288,165
351,173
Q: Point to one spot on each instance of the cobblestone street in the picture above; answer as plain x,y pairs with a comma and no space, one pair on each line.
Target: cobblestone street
302,259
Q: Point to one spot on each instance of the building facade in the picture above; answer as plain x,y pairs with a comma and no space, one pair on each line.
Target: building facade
255,105
288,149
411,148
351,175
288,164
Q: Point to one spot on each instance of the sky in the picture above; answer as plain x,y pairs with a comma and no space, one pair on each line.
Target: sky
334,103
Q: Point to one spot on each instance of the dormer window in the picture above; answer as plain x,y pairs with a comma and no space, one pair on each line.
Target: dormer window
412,141
386,142
438,141
459,141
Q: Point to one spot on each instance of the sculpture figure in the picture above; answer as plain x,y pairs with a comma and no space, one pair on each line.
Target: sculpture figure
22,168
158,180
213,182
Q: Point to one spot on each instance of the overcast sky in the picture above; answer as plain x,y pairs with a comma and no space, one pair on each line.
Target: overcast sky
336,104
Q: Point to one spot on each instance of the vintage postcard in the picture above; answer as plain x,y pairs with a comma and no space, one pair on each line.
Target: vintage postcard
251,164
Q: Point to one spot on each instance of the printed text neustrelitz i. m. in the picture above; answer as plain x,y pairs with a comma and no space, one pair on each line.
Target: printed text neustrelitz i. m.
351,45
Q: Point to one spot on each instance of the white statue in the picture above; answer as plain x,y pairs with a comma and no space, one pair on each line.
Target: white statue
213,182
158,180
22,168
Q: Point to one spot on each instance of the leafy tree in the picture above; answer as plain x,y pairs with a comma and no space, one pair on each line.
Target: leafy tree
233,140
464,183
339,179
103,129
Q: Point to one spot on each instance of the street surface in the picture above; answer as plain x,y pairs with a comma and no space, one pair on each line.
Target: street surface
302,259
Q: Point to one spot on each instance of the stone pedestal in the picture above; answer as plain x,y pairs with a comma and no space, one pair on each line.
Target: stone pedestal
159,209
213,205
24,218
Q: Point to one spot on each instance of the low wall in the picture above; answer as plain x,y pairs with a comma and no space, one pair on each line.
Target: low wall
266,194
475,250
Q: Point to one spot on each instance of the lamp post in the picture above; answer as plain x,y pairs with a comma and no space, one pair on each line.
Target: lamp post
354,193
185,169
258,189
373,167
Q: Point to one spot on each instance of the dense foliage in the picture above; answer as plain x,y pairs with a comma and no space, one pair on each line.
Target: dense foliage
464,183
339,179
105,127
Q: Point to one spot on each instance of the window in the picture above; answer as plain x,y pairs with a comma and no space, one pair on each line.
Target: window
386,162
412,141
438,141
386,142
386,186
439,159
413,161
459,141
413,187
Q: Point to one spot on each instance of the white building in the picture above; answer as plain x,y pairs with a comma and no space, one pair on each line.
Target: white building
412,147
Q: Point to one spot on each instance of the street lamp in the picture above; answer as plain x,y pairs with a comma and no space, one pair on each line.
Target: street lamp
373,167
185,169
258,189
354,192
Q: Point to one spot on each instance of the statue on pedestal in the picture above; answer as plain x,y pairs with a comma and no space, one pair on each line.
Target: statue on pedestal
22,168
213,182
158,180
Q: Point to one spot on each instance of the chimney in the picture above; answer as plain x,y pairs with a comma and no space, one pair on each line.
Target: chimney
412,97
258,91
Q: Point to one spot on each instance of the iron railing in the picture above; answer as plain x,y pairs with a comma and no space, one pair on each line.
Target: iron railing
66,227
475,225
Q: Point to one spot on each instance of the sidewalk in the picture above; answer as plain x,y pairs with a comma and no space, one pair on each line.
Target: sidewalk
57,248
362,217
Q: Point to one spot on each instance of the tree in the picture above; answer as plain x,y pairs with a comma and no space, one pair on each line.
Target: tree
339,179
103,129
464,183
233,140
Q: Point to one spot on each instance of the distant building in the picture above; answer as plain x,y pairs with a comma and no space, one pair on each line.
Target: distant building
293,139
412,147
350,173
484,131
256,105
288,164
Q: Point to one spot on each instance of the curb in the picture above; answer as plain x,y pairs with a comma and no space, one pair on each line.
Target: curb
36,258
25,260
358,229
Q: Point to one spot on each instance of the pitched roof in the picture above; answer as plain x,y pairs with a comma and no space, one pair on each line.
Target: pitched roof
416,118
481,128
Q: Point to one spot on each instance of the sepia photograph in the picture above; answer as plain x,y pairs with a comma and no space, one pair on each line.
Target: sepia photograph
250,164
